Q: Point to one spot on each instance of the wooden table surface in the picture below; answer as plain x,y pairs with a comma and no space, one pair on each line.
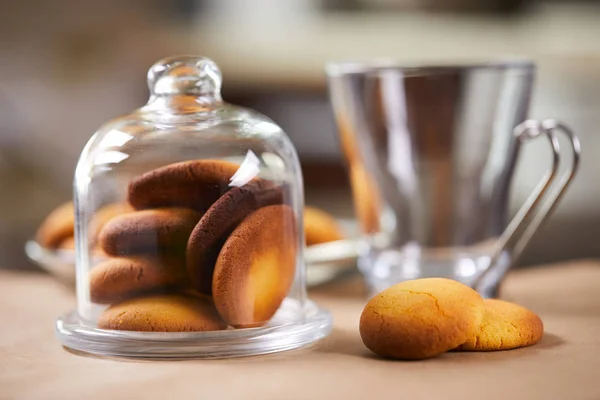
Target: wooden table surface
564,365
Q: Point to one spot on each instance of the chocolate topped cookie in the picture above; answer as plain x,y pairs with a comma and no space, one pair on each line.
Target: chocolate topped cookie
256,267
190,184
214,227
148,231
121,278
162,313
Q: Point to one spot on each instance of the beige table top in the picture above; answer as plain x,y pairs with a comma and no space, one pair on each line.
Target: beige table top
564,365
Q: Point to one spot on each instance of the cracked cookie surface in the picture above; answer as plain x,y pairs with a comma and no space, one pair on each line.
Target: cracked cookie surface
505,326
421,318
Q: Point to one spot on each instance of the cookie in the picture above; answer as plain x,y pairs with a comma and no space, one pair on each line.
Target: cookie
505,326
120,278
214,227
67,243
320,227
190,184
256,266
57,226
102,216
148,231
162,313
421,318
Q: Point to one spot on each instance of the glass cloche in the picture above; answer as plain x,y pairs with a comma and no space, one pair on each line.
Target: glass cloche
189,232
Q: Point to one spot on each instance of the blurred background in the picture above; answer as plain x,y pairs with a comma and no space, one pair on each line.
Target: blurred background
67,66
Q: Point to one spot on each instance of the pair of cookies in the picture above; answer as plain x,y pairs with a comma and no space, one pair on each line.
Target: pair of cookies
145,252
193,235
425,317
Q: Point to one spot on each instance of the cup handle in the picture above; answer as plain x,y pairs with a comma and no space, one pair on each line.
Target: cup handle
534,211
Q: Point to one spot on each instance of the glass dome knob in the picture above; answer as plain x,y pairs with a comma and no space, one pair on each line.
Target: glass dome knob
185,75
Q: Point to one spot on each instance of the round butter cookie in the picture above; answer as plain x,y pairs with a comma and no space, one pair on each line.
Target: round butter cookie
209,235
190,184
421,318
58,226
505,326
320,227
67,243
162,313
116,279
256,266
148,231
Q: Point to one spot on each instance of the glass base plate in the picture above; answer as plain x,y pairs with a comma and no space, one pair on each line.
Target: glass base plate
76,334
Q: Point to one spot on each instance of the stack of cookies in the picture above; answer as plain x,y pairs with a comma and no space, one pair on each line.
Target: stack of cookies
194,253
186,241
425,317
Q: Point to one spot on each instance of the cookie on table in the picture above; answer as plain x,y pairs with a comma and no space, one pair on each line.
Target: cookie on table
320,227
421,318
153,231
162,313
505,326
209,235
190,184
120,278
57,226
255,268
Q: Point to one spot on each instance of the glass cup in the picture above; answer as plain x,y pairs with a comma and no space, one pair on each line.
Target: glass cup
431,153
